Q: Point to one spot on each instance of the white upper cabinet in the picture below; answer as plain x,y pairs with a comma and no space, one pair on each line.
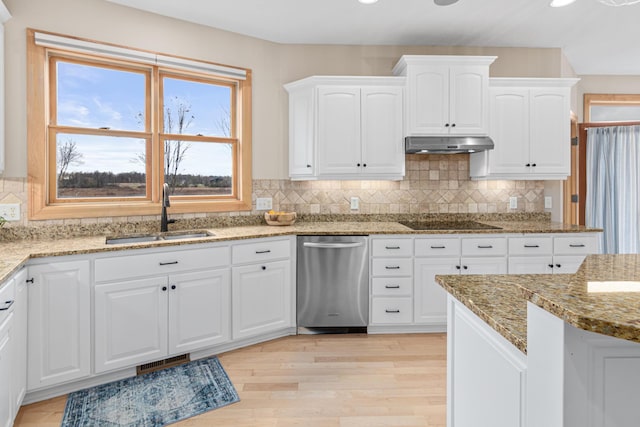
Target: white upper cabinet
346,128
446,95
530,126
4,17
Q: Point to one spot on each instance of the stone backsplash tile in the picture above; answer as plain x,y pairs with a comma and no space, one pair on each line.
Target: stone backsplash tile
432,184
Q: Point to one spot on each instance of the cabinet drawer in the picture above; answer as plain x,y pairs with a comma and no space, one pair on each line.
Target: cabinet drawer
391,310
438,247
575,245
391,247
530,246
392,286
149,264
478,246
391,267
260,251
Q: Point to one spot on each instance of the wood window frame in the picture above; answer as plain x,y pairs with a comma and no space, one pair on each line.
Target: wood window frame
40,162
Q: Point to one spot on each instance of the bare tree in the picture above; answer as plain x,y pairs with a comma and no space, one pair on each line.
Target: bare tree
68,154
175,122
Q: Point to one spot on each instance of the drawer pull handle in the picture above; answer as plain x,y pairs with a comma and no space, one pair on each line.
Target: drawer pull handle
264,252
559,265
392,247
531,246
579,245
7,305
29,280
392,286
392,311
168,263
485,246
438,247
392,267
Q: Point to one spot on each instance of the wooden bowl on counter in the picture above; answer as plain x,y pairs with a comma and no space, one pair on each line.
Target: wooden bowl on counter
280,218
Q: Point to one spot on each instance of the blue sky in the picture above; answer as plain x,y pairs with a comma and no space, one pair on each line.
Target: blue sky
97,97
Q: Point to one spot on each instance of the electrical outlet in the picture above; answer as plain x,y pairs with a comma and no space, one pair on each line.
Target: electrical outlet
264,203
548,202
10,211
355,203
513,202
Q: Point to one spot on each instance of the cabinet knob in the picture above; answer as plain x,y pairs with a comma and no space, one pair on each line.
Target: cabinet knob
534,165
550,265
559,265
457,267
364,165
264,267
308,166
446,125
173,286
453,125
465,267
358,165
528,165
164,288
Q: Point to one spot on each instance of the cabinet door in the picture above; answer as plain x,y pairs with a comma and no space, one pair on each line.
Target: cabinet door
382,139
530,265
199,310
468,109
566,264
301,133
550,131
59,337
130,323
430,299
484,265
428,100
261,298
509,129
19,337
6,401
339,130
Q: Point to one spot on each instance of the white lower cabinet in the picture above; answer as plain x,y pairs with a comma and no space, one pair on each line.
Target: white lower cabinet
19,337
7,345
59,334
148,319
261,298
486,374
550,254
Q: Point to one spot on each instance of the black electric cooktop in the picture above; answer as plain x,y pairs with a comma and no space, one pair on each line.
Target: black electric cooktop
448,225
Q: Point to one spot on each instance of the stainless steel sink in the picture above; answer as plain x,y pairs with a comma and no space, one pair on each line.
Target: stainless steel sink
131,239
187,235
175,235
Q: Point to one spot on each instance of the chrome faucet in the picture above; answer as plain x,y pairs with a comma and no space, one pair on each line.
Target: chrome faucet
164,220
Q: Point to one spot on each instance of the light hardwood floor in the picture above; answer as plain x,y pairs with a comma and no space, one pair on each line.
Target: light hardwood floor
352,380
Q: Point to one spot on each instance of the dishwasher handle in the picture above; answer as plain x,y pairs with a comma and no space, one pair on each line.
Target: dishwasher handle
332,245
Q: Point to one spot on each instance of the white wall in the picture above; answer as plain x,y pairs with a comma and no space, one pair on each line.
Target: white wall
272,64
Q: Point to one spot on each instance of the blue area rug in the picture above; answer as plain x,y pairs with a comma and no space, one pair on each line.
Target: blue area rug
154,399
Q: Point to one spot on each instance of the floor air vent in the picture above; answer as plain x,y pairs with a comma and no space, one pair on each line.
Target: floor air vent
162,364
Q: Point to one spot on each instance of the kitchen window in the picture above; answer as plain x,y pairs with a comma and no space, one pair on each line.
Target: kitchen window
109,125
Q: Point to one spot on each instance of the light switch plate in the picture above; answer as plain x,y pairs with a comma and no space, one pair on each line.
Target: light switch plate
355,203
10,211
548,202
264,203
513,202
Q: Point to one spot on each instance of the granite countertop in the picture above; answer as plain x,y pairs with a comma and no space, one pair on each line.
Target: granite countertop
15,253
501,300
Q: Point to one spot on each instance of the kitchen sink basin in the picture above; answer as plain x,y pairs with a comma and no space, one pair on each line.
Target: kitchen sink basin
131,239
187,235
175,235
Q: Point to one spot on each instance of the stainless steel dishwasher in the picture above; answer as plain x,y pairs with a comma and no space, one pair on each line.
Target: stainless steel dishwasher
333,282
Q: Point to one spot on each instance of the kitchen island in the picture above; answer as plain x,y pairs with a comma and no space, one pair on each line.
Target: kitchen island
546,350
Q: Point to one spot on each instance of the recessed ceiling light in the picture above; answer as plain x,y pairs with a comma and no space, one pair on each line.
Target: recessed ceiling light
367,1
444,2
560,3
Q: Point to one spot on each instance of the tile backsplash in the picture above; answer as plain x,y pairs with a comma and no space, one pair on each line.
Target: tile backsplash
432,184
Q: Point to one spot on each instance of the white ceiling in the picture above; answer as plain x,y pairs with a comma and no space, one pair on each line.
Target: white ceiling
596,39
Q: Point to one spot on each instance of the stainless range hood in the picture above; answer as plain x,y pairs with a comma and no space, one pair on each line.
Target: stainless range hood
446,144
